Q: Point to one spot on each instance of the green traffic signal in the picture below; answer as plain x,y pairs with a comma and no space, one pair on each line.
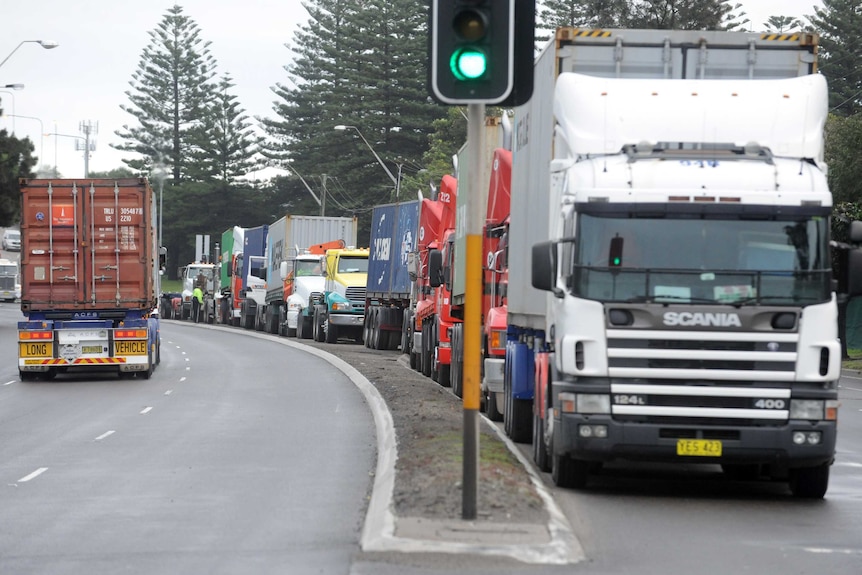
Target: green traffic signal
468,64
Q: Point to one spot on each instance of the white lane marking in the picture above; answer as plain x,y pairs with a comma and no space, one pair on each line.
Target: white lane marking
146,410
168,392
188,359
9,382
184,353
33,475
104,435
824,550
188,368
848,464
182,379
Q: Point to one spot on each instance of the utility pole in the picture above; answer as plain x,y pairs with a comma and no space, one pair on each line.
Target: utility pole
323,196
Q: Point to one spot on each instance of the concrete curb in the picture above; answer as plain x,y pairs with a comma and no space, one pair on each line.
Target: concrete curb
550,544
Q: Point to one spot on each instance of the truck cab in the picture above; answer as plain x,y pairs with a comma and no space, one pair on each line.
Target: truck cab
190,276
306,284
342,311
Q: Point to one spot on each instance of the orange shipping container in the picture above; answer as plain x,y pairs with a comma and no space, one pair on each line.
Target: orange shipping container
87,245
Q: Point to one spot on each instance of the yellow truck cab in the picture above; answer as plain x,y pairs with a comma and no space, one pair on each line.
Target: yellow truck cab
343,309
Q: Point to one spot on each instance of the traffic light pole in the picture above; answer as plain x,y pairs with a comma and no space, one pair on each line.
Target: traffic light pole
473,308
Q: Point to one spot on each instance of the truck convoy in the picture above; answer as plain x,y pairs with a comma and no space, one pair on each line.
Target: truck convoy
90,277
672,205
389,288
290,240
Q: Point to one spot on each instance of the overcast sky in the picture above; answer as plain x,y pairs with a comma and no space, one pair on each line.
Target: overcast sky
85,78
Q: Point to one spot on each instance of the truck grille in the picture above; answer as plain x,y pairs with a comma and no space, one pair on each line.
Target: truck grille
356,294
7,283
685,377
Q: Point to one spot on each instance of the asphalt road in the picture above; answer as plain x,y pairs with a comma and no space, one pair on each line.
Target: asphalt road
238,456
217,465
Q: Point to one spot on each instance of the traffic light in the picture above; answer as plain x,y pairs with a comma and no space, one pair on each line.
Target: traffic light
472,50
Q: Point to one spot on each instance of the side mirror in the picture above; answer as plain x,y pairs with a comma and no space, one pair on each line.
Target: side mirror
544,266
435,268
282,270
854,271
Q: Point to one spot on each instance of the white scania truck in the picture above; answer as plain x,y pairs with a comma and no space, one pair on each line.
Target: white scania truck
689,313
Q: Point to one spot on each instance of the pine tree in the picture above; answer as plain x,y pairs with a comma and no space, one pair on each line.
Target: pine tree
553,14
168,95
223,145
839,23
679,14
16,161
359,64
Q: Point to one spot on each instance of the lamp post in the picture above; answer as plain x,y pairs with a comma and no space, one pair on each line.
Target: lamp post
41,133
160,173
388,173
47,44
14,87
86,149
320,203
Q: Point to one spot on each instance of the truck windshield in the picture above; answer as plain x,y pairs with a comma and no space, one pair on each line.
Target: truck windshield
704,260
352,264
309,268
7,270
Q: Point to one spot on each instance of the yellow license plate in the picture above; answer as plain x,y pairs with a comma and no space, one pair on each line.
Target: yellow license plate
698,447
91,349
36,349
130,347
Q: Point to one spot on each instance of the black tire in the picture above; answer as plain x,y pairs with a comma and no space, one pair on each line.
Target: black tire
810,482
330,331
316,327
444,375
541,457
570,473
491,409
427,353
414,360
456,365
304,327
149,373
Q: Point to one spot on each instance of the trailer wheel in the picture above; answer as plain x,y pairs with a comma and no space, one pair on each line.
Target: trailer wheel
456,371
149,373
444,375
427,349
810,482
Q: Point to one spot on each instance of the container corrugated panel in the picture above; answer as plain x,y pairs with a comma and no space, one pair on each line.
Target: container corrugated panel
394,229
87,244
292,233
384,224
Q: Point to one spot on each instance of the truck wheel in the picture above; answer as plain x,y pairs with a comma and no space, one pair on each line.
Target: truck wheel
427,350
810,482
331,332
444,375
491,409
540,448
570,473
149,373
318,326
303,327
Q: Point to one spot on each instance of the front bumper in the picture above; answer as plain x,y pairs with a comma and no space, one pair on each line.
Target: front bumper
655,442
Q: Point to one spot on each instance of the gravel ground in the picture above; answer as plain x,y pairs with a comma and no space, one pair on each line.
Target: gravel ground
428,422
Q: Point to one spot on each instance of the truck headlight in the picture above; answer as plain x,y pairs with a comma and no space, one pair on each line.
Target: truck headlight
296,306
341,306
497,340
811,409
584,402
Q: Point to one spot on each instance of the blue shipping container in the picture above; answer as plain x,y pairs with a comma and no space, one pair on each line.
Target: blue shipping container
393,236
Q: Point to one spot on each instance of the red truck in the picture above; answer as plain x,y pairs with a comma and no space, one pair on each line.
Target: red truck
90,277
431,316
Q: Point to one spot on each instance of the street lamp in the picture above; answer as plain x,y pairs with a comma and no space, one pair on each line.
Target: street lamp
320,203
86,149
160,173
14,87
47,44
388,173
